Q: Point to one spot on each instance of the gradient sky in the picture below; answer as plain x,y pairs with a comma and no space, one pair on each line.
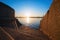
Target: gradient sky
32,7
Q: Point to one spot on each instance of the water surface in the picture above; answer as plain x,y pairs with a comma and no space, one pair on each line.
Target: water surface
31,22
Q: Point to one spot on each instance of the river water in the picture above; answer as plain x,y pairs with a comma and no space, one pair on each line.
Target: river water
31,22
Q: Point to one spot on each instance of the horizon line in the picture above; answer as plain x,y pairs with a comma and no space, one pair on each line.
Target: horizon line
29,17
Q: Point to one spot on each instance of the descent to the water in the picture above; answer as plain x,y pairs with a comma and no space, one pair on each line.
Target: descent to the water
12,29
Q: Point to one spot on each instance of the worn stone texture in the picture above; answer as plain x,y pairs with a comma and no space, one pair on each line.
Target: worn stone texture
6,11
7,15
50,24
8,23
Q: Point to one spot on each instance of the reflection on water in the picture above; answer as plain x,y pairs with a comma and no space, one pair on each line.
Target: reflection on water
27,20
31,22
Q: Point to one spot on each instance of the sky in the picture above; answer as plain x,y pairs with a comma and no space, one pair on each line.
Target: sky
29,7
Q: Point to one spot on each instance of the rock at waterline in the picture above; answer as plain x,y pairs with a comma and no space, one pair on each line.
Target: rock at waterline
50,24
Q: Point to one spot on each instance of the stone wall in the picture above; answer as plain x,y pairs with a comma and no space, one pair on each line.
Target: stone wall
50,24
7,16
6,11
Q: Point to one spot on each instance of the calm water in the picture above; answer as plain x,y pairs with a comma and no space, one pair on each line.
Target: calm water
31,22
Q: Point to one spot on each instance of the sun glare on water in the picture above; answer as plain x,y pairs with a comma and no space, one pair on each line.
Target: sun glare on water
27,17
27,14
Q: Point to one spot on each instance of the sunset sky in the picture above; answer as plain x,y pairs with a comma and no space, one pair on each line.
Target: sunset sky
29,7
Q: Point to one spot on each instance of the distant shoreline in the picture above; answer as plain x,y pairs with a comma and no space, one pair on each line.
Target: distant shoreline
29,17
